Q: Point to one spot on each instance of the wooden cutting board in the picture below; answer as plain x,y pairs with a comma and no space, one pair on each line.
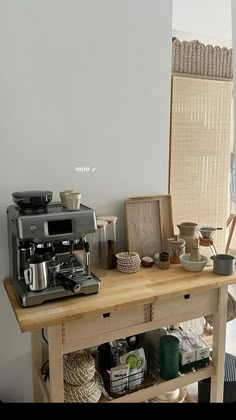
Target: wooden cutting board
149,223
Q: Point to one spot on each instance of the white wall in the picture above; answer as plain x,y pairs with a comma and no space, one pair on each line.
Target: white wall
206,20
83,83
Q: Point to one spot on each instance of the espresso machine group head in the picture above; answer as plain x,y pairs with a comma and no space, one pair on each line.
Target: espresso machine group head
42,249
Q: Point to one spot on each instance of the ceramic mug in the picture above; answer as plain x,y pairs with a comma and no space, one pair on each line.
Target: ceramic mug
72,200
63,196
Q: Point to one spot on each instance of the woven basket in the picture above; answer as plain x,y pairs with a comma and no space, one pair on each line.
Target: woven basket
128,262
78,367
87,393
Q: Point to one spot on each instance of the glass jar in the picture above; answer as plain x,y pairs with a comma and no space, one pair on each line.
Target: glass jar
98,249
111,240
176,247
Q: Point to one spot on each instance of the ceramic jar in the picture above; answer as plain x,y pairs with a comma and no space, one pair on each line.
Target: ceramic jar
164,260
188,233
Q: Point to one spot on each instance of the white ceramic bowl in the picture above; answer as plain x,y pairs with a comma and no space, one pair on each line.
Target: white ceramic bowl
170,396
193,265
176,396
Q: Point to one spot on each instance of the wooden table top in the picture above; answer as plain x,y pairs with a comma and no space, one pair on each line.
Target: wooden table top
118,291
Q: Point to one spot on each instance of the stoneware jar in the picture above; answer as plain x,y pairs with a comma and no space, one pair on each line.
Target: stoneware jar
187,231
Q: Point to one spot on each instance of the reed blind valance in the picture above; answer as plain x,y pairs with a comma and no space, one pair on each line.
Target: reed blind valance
195,58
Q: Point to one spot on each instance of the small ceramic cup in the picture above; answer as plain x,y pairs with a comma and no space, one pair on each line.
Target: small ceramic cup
164,260
63,195
73,200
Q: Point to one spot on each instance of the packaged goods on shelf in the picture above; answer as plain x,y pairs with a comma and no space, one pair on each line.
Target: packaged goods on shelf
150,341
119,377
176,333
186,357
138,365
202,350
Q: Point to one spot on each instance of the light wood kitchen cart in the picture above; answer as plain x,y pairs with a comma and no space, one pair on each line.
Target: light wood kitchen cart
127,304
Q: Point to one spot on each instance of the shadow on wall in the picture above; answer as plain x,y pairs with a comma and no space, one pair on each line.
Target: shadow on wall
15,372
17,390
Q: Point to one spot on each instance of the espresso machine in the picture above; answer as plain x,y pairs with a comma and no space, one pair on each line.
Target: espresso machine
48,250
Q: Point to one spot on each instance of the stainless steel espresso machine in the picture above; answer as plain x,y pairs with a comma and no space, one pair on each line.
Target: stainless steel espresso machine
49,254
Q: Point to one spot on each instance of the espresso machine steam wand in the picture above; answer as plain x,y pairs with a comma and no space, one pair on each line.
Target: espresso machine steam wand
87,258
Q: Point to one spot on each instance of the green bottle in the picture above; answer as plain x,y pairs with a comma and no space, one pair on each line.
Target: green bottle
169,357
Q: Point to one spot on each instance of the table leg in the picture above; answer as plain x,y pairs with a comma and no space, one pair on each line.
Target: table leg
56,363
36,352
218,349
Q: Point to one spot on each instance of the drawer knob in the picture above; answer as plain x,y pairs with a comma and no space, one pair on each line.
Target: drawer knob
187,296
107,315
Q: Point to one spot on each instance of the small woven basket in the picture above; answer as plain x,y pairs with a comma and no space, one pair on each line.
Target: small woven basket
128,262
78,367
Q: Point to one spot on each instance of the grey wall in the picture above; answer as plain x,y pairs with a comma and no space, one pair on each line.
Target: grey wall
83,83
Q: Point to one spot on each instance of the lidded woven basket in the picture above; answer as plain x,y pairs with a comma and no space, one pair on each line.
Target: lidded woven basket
128,262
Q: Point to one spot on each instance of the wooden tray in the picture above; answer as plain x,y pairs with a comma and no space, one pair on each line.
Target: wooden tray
149,223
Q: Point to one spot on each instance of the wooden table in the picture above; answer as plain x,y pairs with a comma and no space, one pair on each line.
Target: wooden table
127,304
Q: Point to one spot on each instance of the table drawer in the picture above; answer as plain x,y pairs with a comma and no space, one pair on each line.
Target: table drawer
83,333
185,307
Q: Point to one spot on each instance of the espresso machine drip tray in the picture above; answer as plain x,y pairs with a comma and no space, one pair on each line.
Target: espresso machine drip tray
62,286
70,263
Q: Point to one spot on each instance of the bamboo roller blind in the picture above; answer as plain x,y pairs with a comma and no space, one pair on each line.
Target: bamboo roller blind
200,152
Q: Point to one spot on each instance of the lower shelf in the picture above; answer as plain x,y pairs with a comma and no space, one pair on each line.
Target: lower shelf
161,387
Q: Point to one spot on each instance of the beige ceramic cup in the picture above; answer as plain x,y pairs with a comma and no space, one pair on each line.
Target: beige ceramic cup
73,200
63,195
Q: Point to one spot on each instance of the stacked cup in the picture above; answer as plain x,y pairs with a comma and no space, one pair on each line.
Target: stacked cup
70,199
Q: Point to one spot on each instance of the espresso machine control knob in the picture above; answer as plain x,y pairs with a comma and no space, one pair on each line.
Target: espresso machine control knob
33,228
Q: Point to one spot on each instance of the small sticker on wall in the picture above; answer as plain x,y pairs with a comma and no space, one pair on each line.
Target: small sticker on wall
84,169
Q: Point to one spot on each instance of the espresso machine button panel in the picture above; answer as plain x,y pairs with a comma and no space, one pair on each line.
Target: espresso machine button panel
47,226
